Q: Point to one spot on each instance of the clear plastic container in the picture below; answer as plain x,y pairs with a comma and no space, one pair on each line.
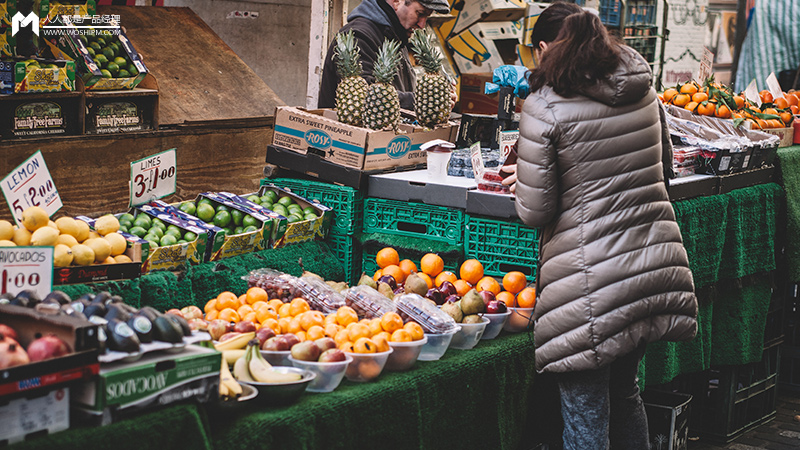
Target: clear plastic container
367,302
366,366
496,323
319,295
277,358
469,335
272,281
437,344
405,354
329,374
420,310
521,319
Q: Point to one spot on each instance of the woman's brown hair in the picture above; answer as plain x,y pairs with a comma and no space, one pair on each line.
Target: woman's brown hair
580,51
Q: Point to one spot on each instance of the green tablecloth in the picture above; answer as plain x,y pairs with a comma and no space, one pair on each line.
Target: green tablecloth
789,165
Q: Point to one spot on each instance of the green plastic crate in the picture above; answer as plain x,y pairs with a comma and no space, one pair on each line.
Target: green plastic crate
347,202
436,223
347,250
369,266
502,246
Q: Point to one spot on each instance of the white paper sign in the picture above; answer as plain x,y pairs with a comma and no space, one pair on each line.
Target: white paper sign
751,93
30,184
477,161
507,141
774,87
705,65
153,177
28,268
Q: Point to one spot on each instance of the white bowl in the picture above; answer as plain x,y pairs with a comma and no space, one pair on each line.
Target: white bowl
469,335
277,358
329,374
437,344
366,366
283,393
521,319
496,323
405,354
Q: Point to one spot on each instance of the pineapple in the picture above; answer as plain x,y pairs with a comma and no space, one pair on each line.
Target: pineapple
432,95
352,89
382,109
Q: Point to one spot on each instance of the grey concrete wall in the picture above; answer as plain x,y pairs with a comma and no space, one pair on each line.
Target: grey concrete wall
274,44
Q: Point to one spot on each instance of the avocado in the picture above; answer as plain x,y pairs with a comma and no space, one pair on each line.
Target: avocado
116,312
60,296
167,331
185,328
143,328
95,309
150,312
121,337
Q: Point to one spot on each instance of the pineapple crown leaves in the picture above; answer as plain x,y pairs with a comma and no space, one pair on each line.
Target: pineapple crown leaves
426,54
347,55
387,61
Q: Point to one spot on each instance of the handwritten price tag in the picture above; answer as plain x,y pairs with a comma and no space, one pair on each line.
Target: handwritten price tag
26,268
29,185
153,177
477,160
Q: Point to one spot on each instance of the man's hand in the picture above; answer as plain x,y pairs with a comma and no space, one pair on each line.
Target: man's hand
510,180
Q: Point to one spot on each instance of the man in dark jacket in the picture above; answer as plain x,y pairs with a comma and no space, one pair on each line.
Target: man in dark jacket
373,21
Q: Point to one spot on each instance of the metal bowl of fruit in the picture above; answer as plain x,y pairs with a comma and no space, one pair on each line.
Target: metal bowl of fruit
235,403
283,392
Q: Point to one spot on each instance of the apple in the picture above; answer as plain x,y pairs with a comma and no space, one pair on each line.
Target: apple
448,289
452,299
198,324
218,327
496,307
175,311
7,331
229,335
325,343
306,351
291,339
192,312
275,344
487,297
399,291
435,295
46,347
388,279
244,326
332,355
263,334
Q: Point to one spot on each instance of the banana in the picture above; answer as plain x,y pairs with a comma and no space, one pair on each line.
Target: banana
226,379
223,390
263,372
273,376
240,370
237,342
230,356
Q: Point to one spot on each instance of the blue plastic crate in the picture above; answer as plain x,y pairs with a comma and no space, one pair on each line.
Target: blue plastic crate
609,12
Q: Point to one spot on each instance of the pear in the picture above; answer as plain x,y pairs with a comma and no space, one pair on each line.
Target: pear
472,303
386,290
414,283
308,274
453,310
472,318
368,281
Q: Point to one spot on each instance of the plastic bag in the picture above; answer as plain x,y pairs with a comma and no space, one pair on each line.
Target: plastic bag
511,76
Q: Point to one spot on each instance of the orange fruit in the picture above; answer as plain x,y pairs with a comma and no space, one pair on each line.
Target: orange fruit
273,324
792,99
298,305
357,331
330,318
275,303
347,347
669,94
256,294
426,278
723,112
332,329
285,310
766,96
229,315
781,103
242,299
526,298
381,342
364,345
315,332
699,97
401,335
432,264
707,109
488,283
211,315
301,335
408,266
507,298
283,323
691,106
770,111
257,305
378,274
786,118
739,101
795,109
375,326
210,305
445,276
265,312
227,300
396,272
251,317
689,88
244,310
309,319
514,281
386,257
391,322
462,287
346,315
415,330
471,271
681,99
341,337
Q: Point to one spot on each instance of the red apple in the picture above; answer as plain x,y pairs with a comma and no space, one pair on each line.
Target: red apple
435,295
332,355
46,347
452,299
229,335
192,312
291,339
487,297
448,289
496,307
244,326
198,324
7,331
275,344
263,334
388,279
218,327
306,351
325,343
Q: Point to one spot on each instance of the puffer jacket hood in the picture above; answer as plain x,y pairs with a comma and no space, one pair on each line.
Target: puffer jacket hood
613,270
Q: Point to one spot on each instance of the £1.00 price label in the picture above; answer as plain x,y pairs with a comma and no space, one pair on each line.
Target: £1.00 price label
26,268
153,177
30,184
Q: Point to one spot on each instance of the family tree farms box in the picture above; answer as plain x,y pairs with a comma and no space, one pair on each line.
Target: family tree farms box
319,132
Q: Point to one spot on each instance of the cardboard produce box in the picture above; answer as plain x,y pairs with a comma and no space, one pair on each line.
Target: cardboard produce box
303,230
41,376
319,132
70,8
40,75
34,415
8,44
474,11
486,46
158,379
40,115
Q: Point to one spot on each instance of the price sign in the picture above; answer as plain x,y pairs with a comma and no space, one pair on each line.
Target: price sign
153,177
26,268
477,160
706,63
507,141
751,93
773,86
29,185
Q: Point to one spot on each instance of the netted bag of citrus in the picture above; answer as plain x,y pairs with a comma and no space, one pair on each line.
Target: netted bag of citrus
285,206
154,230
108,53
231,220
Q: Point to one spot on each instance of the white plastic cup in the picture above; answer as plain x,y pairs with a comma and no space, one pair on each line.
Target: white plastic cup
438,158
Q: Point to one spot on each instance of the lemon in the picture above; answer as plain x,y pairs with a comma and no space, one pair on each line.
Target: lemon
62,256
100,247
6,230
34,218
109,260
44,236
67,239
22,236
106,224
82,255
120,258
52,224
118,243
83,230
67,225
93,235
7,243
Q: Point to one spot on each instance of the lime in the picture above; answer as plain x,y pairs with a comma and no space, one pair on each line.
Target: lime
249,229
285,201
126,223
144,219
292,218
272,196
223,232
266,199
222,219
109,54
182,241
249,221
187,207
156,230
294,209
101,60
91,52
189,236
133,70
101,41
175,231
267,205
310,216
280,209
157,221
153,244
123,74
203,199
126,216
309,210
255,199
113,68
168,239
237,217
238,230
151,237
120,61
123,228
223,208
106,74
205,212
83,39
96,47
138,231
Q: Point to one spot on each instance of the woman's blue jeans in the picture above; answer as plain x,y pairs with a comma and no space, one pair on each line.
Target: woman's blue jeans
602,408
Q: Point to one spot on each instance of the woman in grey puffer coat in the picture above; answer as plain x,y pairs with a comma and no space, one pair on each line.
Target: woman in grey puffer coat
613,274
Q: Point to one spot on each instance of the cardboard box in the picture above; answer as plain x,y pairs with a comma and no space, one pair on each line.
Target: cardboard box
473,11
785,134
38,377
692,186
491,204
527,57
474,101
57,8
532,12
304,230
46,76
319,132
38,115
157,379
8,44
134,110
417,186
486,46
34,416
